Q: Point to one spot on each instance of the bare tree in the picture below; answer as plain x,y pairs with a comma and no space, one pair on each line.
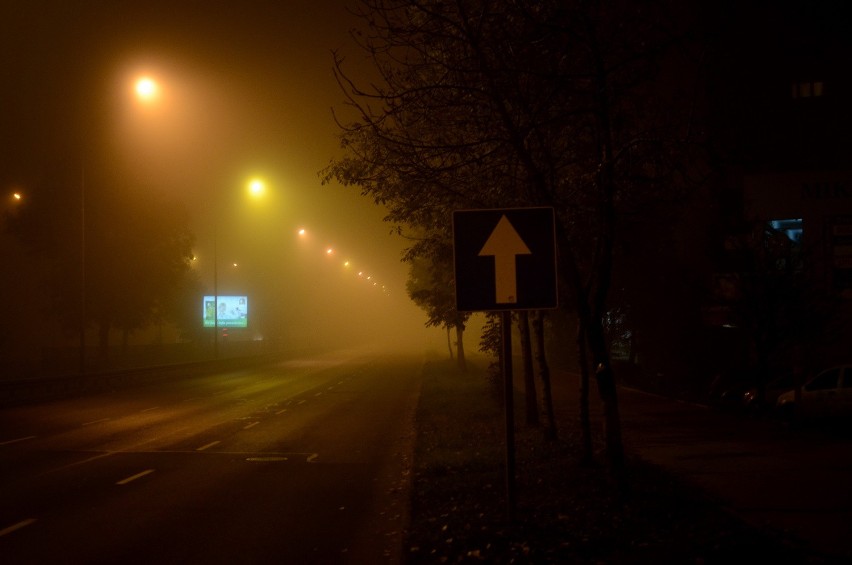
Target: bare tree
430,286
138,248
495,104
550,427
530,396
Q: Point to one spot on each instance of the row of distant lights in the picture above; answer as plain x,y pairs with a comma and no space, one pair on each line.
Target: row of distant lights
347,264
329,251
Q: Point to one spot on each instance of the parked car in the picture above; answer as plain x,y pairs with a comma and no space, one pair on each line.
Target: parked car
828,395
773,389
727,389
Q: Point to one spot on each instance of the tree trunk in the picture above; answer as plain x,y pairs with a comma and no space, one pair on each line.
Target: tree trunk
609,397
587,447
460,347
531,396
103,343
550,428
593,308
125,336
450,343
632,352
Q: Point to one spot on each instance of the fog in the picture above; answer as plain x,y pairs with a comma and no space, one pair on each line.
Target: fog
245,91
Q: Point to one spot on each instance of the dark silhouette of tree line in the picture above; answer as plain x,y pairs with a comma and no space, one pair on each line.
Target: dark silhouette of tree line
583,106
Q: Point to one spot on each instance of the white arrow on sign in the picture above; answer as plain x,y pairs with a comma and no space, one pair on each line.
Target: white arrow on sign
504,244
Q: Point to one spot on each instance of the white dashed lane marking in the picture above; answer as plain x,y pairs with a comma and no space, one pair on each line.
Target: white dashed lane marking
17,440
134,477
95,422
18,526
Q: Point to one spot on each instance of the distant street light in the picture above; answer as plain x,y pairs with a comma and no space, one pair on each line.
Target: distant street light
256,188
13,201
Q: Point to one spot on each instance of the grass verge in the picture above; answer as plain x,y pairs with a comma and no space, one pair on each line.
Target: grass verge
565,512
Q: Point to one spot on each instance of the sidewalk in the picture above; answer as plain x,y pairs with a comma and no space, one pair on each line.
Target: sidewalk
770,476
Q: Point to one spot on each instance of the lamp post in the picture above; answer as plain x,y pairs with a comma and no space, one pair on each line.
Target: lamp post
215,288
256,189
83,269
147,91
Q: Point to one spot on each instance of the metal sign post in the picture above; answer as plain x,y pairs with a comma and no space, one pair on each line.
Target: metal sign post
509,410
504,260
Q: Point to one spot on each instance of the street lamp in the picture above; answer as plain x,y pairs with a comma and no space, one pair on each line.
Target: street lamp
256,188
147,89
13,201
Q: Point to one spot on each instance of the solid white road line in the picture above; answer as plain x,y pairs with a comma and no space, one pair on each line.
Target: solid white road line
134,477
208,446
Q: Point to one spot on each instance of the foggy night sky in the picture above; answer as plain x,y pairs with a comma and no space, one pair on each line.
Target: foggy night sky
248,90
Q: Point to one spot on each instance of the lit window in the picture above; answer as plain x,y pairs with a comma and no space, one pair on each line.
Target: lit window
807,89
792,228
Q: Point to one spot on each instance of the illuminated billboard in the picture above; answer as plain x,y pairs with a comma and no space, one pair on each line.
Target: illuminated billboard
232,311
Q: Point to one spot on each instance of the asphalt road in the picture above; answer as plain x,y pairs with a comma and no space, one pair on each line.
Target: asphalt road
300,462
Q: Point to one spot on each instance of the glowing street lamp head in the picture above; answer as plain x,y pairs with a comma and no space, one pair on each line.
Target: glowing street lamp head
146,89
256,188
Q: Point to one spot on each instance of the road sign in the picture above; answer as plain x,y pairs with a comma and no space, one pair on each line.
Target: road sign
505,259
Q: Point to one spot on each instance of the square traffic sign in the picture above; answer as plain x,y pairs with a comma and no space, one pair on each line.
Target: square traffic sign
505,259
